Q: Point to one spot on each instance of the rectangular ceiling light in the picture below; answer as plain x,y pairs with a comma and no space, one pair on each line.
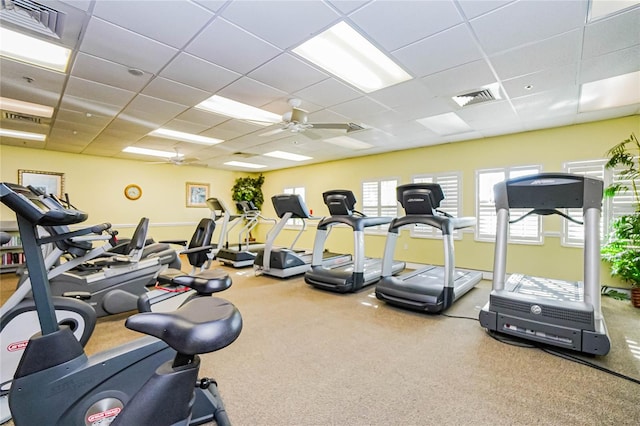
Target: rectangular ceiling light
230,108
287,156
151,152
347,142
245,165
342,51
185,137
33,51
28,108
445,124
22,135
600,8
610,92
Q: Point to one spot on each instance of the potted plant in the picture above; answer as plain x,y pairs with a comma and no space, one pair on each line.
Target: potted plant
622,249
249,189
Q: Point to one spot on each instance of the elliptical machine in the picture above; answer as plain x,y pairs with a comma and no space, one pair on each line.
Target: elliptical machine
56,383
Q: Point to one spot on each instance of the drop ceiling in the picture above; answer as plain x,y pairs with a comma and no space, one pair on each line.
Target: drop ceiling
539,53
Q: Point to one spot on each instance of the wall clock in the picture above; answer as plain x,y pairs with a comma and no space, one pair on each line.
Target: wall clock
133,192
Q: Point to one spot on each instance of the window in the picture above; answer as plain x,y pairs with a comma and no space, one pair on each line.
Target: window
379,199
450,184
299,191
526,231
612,208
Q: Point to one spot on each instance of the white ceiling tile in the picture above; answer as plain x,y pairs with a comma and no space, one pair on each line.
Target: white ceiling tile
363,106
186,126
148,111
328,92
610,65
442,51
555,51
541,81
153,18
198,116
523,22
617,32
282,31
244,54
347,6
459,79
213,5
93,107
488,115
85,89
106,40
250,92
408,92
559,102
410,20
298,74
30,84
606,114
82,119
196,72
475,8
169,90
106,72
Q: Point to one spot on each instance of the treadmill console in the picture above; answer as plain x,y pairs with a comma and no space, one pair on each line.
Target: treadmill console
420,198
28,205
341,202
550,191
290,203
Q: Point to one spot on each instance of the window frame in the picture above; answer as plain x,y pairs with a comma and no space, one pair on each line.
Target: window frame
425,231
379,229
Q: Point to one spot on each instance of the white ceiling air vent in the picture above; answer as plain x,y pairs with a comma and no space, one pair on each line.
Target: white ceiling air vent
33,16
17,117
477,96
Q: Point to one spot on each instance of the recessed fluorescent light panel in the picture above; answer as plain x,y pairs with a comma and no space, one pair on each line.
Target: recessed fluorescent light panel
185,137
342,51
445,124
287,156
22,135
234,109
22,107
610,92
600,8
33,51
245,165
347,142
151,152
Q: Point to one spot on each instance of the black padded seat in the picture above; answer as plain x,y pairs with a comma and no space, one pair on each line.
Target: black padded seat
206,282
202,325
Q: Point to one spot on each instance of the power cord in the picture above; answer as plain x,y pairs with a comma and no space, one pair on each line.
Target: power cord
569,357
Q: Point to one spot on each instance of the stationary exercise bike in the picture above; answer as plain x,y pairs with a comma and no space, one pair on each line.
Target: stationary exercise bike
56,383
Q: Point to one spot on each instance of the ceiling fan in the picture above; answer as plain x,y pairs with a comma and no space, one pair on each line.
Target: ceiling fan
178,160
296,121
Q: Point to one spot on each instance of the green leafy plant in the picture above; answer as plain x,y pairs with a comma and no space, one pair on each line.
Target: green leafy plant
622,249
248,189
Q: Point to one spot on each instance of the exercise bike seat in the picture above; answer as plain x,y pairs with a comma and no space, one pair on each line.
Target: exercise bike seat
202,325
205,283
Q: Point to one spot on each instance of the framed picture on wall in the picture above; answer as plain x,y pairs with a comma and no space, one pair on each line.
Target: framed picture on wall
47,182
197,194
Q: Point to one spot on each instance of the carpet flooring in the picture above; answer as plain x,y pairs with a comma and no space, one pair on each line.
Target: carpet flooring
310,357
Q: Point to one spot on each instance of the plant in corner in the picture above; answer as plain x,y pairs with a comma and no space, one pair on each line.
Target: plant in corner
622,249
248,189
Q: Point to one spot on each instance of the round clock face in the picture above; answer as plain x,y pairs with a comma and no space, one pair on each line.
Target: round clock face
133,192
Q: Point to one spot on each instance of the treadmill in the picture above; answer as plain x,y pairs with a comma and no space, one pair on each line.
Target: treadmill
362,271
287,262
243,254
555,312
220,215
430,288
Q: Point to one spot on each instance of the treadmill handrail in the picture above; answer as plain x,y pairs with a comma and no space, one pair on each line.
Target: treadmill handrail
446,224
356,223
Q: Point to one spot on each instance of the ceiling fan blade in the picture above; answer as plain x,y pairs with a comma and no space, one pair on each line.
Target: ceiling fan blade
272,132
349,127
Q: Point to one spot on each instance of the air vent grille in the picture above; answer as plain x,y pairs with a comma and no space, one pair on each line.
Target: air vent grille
475,97
33,16
21,117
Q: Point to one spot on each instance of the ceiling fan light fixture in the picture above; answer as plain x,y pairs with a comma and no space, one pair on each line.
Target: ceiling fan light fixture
150,152
244,165
343,52
234,109
24,48
287,156
8,133
185,137
14,105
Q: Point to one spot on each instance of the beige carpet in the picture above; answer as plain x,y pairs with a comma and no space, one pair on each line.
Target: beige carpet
309,357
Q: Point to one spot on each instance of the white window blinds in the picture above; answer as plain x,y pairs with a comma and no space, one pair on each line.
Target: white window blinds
379,199
450,184
299,191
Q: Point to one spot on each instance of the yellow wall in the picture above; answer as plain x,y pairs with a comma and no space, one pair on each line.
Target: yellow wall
550,148
95,185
